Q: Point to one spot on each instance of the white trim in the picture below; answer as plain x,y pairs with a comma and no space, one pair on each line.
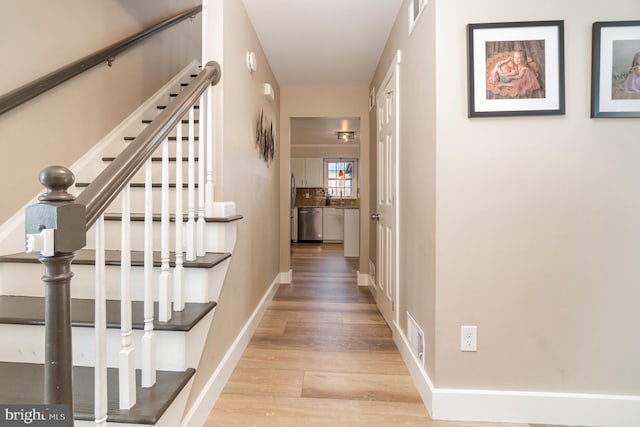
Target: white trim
205,401
518,406
413,21
420,378
363,279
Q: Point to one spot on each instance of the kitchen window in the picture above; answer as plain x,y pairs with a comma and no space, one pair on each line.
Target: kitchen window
341,177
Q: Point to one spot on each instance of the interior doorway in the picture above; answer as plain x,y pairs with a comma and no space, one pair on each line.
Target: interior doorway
325,183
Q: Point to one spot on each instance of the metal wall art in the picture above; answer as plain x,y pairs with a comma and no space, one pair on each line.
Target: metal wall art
265,138
515,68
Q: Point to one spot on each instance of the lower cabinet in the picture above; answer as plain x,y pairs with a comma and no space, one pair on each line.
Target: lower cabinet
332,225
352,232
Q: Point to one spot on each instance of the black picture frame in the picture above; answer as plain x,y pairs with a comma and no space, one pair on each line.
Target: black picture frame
500,84
615,80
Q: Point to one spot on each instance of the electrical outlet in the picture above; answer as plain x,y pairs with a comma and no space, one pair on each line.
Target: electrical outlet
469,338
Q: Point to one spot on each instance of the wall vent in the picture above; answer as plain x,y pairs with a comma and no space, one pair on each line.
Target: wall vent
372,271
416,339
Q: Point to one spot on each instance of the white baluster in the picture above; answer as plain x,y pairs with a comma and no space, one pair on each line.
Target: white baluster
178,271
209,125
100,370
201,184
148,340
127,371
191,200
164,297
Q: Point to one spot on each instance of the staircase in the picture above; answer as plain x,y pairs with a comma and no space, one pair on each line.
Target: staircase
178,333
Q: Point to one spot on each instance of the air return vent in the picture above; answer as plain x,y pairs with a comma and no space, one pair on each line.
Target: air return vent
416,339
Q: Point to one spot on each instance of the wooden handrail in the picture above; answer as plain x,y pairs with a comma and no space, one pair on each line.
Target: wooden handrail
30,90
106,186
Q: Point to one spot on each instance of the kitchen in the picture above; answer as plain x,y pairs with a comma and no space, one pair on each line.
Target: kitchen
325,195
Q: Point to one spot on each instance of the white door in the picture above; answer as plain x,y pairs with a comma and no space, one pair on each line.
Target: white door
387,122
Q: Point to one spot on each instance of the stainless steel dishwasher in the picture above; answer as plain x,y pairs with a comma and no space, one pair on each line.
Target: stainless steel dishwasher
309,224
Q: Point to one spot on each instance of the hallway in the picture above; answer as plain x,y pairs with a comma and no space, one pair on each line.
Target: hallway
322,355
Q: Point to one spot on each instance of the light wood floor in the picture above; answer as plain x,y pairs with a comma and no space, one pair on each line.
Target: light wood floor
323,356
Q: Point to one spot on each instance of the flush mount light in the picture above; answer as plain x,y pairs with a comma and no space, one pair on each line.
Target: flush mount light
346,136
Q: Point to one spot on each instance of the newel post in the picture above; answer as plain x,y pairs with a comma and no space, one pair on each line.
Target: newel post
56,228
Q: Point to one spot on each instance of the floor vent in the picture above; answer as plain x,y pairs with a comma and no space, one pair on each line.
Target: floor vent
416,339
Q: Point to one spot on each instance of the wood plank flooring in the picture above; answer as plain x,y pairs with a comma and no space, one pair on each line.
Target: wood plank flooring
323,356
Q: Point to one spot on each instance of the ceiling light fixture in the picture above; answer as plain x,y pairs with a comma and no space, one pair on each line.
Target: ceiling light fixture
346,136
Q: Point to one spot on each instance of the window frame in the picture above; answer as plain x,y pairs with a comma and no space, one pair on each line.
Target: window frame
354,176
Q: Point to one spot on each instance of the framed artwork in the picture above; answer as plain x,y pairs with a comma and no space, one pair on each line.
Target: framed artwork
615,69
516,68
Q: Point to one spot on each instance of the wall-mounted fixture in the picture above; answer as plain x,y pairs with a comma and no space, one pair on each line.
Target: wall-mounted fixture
346,136
251,62
268,92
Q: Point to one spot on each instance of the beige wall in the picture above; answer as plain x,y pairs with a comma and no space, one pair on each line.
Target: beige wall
61,125
536,218
323,102
247,180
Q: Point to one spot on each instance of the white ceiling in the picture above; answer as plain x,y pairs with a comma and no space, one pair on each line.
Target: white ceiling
322,130
323,43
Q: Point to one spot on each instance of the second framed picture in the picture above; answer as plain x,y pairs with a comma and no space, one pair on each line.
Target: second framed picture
615,69
516,68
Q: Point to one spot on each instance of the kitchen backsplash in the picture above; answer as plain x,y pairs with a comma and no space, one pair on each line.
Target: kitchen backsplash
315,197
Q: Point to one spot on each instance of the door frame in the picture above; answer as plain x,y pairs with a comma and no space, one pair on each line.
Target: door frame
394,69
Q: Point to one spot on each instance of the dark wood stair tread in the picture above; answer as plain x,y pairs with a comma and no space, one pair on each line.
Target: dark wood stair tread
27,384
20,310
162,107
112,257
172,217
171,138
140,185
184,121
153,159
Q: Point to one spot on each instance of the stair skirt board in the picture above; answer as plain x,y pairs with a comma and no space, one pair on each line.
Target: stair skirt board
200,284
171,388
90,164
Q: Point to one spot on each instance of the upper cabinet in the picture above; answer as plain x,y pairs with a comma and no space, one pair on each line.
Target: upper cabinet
308,172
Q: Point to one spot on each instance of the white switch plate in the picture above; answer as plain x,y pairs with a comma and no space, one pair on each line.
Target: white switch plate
469,338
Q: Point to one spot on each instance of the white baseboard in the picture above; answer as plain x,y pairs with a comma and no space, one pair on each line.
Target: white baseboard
517,406
204,403
286,277
363,279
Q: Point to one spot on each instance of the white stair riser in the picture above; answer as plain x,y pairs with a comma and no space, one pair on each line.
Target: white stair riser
176,350
137,200
215,236
200,284
157,172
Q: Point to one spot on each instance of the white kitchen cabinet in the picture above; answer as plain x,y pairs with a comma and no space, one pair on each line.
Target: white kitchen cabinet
308,172
332,225
352,232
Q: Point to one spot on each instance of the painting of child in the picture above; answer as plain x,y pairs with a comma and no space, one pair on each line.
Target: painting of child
513,69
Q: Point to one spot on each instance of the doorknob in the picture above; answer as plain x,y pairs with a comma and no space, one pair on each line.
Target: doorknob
375,217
